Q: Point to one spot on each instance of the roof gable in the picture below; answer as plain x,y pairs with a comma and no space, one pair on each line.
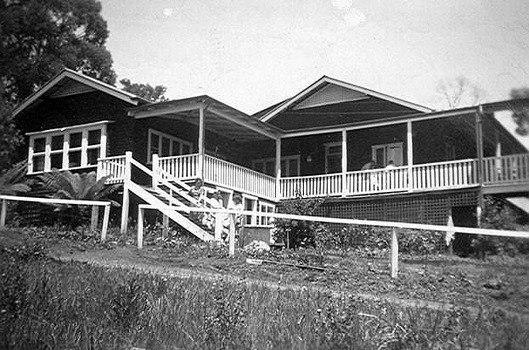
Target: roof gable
328,91
69,82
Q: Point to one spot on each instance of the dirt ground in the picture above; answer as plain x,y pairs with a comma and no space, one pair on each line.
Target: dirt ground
438,282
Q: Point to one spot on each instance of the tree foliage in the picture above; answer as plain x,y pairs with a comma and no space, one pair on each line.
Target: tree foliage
521,115
153,94
459,91
38,38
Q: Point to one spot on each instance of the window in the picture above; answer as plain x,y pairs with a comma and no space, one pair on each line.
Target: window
250,204
265,220
382,154
166,145
67,148
333,157
289,165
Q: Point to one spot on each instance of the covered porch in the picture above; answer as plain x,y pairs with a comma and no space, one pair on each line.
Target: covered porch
510,172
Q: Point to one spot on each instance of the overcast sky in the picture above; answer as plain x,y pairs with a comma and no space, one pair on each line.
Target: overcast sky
253,53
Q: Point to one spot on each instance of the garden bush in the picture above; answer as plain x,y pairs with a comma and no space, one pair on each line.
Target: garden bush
376,240
499,214
297,233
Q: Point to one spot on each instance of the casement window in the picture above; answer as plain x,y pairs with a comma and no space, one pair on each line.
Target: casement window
333,157
166,145
265,220
382,154
71,147
289,165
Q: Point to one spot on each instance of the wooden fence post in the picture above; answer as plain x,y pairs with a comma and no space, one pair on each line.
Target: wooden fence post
3,213
394,254
232,235
140,227
94,218
106,218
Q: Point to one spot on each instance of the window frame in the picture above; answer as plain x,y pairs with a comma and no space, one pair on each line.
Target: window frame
285,159
328,146
66,132
385,148
171,138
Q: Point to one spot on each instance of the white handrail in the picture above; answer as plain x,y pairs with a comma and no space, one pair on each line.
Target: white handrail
237,177
114,167
506,169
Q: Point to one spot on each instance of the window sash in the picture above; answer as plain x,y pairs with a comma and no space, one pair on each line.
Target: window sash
290,165
164,145
66,151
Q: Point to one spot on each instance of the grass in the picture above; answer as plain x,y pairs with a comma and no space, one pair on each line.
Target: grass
46,304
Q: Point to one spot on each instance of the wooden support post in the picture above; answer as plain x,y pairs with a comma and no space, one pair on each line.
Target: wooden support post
155,165
344,163
409,147
201,143
106,218
126,194
479,147
94,218
3,213
232,235
394,254
140,226
278,169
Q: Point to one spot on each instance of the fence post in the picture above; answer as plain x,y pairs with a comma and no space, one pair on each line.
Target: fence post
106,217
3,213
232,235
155,165
394,254
126,194
94,218
140,227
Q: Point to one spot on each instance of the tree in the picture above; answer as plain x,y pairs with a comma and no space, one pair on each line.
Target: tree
459,91
521,115
153,94
38,38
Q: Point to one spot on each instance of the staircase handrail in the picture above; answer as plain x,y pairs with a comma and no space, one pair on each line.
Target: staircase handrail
165,181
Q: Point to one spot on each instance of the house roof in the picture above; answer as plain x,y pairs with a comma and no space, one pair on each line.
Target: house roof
219,117
69,82
327,91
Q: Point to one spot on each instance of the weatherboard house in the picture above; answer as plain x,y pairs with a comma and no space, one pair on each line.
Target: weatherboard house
333,140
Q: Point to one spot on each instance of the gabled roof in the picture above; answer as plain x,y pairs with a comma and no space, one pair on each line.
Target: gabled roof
329,91
69,82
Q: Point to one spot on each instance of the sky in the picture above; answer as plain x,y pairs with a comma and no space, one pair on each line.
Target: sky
251,54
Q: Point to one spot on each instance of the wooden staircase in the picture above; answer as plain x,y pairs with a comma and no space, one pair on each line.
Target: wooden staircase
166,195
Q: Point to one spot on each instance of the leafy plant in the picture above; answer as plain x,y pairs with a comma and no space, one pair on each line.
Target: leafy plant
13,181
85,186
499,214
297,233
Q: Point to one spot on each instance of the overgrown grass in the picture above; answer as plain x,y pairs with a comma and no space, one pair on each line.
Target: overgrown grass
50,305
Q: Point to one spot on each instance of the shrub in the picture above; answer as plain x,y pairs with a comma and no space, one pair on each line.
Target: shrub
297,233
373,240
498,214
